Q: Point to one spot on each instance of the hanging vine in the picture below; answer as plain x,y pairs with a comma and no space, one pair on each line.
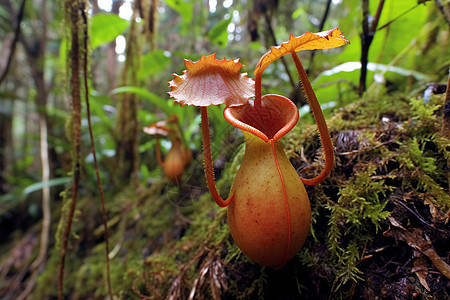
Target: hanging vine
72,9
78,61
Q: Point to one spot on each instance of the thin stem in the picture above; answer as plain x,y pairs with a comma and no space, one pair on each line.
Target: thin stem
366,40
174,120
283,61
91,135
14,42
374,25
320,121
258,79
325,15
158,152
396,18
320,28
209,169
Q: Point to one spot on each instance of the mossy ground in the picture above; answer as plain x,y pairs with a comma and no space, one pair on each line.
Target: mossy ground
390,183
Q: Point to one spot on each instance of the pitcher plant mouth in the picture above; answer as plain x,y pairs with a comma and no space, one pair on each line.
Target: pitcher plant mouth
271,120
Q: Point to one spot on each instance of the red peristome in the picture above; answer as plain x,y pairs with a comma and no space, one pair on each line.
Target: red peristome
275,117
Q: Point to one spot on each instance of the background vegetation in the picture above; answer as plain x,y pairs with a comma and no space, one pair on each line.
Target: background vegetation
170,241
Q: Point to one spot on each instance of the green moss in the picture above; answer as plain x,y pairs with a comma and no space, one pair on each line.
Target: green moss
354,218
385,150
46,281
383,147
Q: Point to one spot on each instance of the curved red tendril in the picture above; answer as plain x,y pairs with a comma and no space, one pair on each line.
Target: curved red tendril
320,121
209,169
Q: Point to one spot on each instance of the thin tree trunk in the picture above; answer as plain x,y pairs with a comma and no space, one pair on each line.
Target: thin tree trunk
366,40
73,17
37,64
36,60
43,129
127,124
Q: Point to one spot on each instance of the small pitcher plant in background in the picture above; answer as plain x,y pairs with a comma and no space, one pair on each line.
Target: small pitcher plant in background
179,156
268,208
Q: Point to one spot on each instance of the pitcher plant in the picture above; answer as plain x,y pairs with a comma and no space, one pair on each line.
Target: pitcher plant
179,156
268,208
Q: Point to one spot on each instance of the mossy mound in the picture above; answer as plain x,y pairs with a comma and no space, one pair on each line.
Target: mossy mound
389,183
380,222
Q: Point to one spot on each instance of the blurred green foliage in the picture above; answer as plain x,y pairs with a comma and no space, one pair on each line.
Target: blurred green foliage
410,52
105,28
404,55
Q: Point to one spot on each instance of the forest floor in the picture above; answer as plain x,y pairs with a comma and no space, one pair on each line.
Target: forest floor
379,228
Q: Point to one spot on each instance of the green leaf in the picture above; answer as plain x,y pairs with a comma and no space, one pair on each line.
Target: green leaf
165,105
188,56
152,63
146,117
63,53
184,8
40,185
218,34
256,46
299,12
24,162
98,103
5,17
105,28
144,171
389,43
